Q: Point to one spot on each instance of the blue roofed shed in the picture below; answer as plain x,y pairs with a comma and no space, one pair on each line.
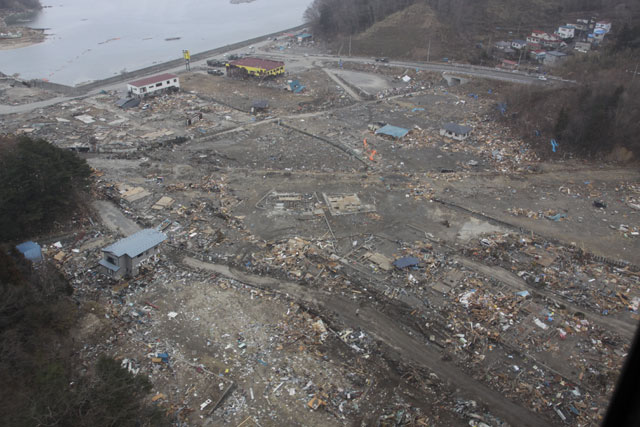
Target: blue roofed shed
30,250
125,256
392,131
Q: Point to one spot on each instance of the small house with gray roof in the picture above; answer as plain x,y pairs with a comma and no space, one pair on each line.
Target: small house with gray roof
455,131
123,258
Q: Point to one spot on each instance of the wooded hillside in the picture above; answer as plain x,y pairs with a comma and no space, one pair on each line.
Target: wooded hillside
332,18
42,382
20,4
39,184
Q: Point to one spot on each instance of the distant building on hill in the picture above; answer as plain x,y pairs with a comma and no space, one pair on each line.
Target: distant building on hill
554,58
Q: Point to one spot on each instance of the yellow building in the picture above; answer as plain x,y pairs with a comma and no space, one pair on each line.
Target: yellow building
255,67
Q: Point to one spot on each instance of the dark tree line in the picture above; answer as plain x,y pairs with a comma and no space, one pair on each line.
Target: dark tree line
589,123
39,184
332,17
339,17
42,384
20,4
594,119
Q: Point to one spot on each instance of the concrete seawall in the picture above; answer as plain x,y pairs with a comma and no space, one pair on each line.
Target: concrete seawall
157,68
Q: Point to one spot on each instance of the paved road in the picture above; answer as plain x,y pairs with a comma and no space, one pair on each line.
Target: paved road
308,62
113,218
461,69
342,85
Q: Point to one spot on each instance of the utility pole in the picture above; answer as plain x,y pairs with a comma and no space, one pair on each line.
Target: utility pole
429,50
489,46
521,50
349,46
634,74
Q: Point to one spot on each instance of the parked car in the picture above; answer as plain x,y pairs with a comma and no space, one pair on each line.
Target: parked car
215,63
215,72
542,78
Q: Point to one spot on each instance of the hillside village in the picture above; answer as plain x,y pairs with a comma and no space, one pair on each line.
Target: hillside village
552,49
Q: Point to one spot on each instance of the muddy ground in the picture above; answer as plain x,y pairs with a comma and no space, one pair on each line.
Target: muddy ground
275,297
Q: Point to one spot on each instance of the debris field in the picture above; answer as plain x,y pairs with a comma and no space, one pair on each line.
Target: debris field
318,273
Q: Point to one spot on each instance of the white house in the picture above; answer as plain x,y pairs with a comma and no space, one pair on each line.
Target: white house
455,131
518,44
153,84
539,34
534,42
545,39
566,32
604,25
598,35
123,258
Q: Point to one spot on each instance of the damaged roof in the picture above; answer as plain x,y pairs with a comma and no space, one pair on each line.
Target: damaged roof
405,262
137,243
456,128
260,104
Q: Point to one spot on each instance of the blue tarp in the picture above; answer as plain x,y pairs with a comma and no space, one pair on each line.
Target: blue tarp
405,262
30,250
557,217
296,87
393,131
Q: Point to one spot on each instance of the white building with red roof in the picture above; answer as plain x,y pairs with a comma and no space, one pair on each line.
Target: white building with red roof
153,84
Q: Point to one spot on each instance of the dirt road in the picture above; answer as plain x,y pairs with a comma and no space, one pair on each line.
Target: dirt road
113,218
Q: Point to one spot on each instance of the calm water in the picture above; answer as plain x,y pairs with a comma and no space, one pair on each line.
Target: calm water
91,39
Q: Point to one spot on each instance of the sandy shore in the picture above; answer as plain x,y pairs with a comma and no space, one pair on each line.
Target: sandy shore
29,37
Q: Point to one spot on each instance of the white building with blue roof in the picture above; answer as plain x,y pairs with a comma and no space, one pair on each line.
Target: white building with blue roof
123,258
